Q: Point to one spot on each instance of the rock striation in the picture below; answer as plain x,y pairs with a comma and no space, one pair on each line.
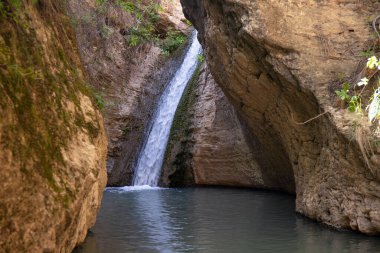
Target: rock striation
52,141
208,143
130,79
275,61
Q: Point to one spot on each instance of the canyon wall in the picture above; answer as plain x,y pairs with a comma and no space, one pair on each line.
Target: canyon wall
52,140
129,78
208,143
276,62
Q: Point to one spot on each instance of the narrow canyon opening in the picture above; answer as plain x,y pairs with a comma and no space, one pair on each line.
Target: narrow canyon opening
189,126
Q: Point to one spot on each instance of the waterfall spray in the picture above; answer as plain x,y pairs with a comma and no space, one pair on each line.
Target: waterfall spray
148,169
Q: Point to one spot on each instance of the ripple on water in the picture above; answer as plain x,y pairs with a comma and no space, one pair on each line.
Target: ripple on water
133,188
151,219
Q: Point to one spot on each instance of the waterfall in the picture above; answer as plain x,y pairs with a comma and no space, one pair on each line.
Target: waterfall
148,169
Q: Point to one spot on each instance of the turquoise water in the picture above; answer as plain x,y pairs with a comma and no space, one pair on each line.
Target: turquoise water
212,220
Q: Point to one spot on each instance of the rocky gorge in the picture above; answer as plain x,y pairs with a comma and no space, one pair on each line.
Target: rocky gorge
129,78
70,78
276,61
80,81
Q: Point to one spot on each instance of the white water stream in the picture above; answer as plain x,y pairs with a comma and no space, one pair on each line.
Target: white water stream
148,169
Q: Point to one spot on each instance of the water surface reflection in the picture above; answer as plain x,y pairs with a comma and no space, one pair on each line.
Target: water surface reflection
212,220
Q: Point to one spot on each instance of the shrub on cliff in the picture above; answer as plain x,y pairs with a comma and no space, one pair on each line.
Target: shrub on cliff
360,95
173,40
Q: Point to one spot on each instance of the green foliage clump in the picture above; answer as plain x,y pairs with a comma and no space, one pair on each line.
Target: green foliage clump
173,40
141,33
343,93
10,8
127,6
180,135
99,101
10,5
354,97
134,40
354,102
187,22
373,107
146,15
101,2
201,58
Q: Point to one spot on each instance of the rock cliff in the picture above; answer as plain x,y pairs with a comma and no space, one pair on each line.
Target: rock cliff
129,78
52,141
208,143
276,61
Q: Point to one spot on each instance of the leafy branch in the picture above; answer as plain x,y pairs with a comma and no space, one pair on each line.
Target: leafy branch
355,101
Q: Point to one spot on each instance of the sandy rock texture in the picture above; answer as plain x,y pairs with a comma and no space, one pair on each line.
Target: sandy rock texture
276,61
208,143
221,154
52,141
130,79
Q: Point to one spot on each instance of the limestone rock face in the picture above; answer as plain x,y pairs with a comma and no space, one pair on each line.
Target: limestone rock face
221,155
275,61
210,148
52,141
130,79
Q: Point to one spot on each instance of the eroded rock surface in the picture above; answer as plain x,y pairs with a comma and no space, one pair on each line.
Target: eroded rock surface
130,79
208,143
52,141
221,155
275,61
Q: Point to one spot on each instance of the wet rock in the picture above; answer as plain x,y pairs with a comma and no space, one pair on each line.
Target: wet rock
130,79
276,61
208,143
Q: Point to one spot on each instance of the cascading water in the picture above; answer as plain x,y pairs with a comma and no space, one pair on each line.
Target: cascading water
151,157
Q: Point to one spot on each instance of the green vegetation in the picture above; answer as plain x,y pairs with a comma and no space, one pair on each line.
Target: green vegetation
366,92
13,8
354,97
172,42
10,6
145,15
127,6
373,64
181,120
187,22
140,34
36,85
343,93
134,40
99,101
201,58
101,2
368,53
180,135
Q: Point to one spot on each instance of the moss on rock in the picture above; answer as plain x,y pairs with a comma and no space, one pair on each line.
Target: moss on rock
177,169
36,83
